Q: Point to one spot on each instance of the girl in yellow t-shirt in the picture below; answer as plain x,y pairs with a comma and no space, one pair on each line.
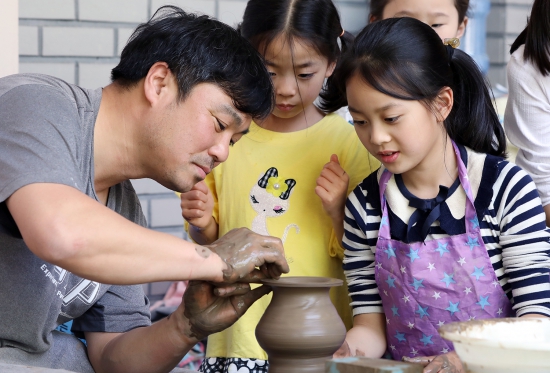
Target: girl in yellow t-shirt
290,176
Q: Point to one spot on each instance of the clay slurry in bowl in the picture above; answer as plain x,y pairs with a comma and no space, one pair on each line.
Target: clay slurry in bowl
300,328
506,345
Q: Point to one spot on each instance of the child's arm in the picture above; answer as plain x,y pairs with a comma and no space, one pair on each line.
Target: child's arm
196,207
366,338
332,187
524,240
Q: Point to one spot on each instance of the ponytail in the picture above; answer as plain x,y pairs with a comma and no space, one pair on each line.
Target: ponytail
473,120
331,97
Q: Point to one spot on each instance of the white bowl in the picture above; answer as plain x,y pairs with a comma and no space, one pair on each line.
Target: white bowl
519,345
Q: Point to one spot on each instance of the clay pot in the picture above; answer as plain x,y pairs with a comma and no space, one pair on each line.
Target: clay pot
300,328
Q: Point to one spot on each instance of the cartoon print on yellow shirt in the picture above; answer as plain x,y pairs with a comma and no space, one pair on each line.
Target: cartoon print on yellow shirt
269,198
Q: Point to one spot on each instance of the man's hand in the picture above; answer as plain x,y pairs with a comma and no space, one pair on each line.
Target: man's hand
332,187
197,205
447,363
211,309
244,251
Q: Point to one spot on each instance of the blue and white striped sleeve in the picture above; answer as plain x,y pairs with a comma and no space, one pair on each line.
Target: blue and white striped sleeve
524,239
361,234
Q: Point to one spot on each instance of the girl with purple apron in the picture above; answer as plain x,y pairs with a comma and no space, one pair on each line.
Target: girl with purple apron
411,96
424,285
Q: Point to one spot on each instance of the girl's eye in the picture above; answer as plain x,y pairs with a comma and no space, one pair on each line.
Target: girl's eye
271,73
436,25
392,119
359,122
305,76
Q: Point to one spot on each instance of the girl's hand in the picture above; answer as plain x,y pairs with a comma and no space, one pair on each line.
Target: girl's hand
447,363
332,187
345,351
197,205
366,338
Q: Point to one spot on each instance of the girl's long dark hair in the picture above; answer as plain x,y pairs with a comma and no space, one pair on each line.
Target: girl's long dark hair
406,59
536,37
315,22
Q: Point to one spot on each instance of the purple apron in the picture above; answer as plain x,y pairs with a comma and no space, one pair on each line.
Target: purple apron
424,285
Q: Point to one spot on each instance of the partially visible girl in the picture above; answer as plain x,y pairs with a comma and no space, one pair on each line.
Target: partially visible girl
290,176
527,115
446,230
447,17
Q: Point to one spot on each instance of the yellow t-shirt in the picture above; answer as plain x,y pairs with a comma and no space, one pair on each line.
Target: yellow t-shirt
291,210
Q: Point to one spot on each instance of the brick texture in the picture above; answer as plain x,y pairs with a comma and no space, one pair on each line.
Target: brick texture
93,75
231,11
113,10
28,40
78,41
166,212
202,6
123,36
51,9
65,71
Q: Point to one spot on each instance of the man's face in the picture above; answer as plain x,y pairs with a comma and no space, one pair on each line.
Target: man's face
190,137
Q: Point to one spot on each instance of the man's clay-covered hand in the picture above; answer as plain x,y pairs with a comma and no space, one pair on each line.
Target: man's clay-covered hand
245,251
211,309
446,363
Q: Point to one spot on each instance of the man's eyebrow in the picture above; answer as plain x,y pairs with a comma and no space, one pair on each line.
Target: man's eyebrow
227,109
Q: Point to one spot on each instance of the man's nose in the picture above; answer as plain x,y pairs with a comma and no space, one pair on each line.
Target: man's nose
220,151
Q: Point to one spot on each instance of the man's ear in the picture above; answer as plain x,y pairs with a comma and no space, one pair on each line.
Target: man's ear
444,103
462,28
158,82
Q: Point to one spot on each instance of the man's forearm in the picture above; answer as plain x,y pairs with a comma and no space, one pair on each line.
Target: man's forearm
154,349
67,228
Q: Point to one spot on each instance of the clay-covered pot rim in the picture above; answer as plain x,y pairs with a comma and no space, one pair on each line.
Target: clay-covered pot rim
304,281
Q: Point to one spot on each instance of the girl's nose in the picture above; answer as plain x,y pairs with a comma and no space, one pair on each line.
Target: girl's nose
286,86
378,134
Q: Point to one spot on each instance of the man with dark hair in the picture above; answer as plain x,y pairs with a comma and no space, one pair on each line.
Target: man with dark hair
72,240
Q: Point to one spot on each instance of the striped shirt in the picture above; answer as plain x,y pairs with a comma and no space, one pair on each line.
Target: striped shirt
512,223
